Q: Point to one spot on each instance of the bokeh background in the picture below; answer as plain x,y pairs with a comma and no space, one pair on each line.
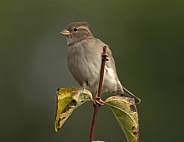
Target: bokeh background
146,38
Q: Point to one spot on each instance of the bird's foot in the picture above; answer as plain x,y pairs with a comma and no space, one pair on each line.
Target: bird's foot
98,101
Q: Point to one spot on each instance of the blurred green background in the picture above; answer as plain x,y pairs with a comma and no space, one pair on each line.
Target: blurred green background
146,38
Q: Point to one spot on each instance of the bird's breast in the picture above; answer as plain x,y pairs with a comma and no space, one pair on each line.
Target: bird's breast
84,63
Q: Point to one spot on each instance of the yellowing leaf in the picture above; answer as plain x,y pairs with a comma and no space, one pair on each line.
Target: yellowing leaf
67,100
125,111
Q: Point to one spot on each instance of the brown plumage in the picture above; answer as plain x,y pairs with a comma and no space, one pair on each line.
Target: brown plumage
84,61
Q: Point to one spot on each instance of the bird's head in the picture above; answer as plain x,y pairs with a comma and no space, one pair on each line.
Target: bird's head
76,31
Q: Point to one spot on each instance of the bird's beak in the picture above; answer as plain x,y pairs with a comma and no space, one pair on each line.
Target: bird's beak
65,32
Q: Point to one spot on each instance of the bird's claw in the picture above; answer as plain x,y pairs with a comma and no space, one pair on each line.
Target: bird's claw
98,101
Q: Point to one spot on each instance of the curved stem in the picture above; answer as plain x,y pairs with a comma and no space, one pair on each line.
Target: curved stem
96,102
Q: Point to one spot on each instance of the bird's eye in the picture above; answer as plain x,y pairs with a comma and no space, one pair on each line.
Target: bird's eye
75,29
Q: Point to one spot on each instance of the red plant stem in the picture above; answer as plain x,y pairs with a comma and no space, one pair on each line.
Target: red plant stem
96,107
97,99
104,59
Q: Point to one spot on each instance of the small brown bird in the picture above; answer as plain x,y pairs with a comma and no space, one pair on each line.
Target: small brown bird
84,61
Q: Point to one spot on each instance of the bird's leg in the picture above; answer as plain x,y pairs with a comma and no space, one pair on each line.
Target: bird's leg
98,101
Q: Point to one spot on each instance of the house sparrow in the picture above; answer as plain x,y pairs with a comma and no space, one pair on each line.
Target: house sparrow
84,61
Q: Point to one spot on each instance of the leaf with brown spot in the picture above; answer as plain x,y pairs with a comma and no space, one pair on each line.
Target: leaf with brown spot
67,100
125,111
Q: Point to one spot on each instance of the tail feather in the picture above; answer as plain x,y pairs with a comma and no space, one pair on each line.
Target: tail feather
130,95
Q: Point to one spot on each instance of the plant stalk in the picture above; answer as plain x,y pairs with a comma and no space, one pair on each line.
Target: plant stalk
96,103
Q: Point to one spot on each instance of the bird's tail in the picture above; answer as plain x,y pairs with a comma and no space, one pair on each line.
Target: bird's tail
130,95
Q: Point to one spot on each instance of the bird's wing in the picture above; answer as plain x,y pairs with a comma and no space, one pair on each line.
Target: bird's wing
111,62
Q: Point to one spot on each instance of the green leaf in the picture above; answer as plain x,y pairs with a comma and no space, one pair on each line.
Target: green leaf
125,111
67,100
